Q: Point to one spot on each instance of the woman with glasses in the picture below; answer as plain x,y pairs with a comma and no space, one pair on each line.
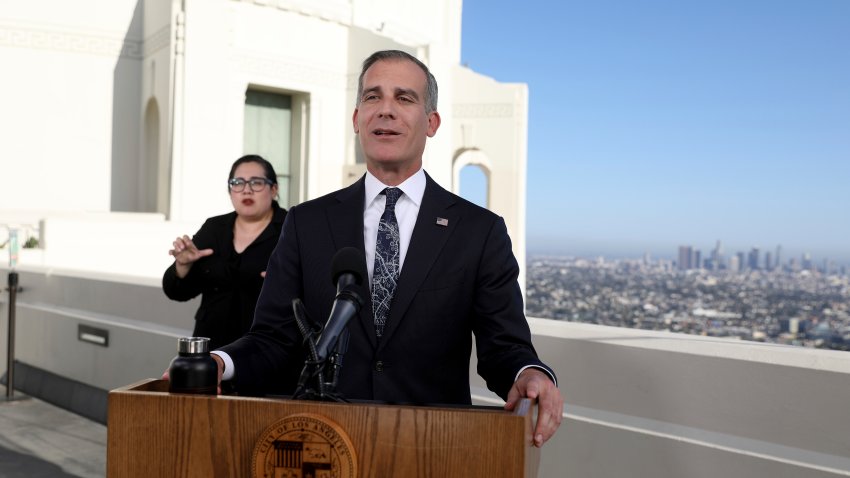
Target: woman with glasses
225,261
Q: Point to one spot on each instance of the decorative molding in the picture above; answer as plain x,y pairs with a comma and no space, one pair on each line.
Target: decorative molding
352,80
483,110
159,40
338,11
56,40
290,71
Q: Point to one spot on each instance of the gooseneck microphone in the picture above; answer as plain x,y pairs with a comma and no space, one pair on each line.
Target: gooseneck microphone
346,305
321,369
346,273
347,267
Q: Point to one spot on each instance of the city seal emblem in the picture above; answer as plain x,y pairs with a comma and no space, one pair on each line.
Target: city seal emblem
304,445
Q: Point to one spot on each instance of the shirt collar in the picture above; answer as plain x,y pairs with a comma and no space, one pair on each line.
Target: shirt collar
412,187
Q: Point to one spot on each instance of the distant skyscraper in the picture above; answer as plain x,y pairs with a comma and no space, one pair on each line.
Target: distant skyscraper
742,264
779,257
792,264
697,264
806,262
685,257
717,256
753,259
735,262
768,266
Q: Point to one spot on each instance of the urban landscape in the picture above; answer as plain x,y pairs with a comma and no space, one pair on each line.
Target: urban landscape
750,296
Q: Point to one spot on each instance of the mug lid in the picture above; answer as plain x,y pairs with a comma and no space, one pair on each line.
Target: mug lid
193,345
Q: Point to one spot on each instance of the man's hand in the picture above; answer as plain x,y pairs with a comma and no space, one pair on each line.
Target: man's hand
535,384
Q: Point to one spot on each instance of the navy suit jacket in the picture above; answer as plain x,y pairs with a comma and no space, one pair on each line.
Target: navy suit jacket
459,279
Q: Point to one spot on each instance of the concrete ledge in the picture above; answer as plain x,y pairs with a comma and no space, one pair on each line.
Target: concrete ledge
645,403
84,400
825,360
638,403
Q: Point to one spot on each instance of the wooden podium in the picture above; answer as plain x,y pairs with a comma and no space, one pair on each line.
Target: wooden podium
153,433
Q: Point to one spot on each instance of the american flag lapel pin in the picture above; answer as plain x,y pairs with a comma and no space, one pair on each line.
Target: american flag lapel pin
441,221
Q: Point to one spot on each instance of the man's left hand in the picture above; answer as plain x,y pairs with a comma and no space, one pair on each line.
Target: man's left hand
536,384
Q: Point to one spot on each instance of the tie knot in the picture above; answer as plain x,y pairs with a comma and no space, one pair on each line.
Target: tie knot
392,196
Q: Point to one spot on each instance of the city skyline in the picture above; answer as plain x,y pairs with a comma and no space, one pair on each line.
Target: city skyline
657,124
671,252
809,310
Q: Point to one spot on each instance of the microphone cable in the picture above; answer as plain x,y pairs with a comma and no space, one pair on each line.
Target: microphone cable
312,367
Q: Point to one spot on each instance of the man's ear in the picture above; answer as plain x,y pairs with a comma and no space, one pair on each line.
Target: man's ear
433,123
354,121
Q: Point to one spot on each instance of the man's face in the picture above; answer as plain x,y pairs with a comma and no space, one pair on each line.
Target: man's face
390,118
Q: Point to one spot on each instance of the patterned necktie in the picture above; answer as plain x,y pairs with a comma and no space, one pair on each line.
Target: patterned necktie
386,270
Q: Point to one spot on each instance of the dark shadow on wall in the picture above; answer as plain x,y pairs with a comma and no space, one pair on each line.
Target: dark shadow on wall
76,397
126,117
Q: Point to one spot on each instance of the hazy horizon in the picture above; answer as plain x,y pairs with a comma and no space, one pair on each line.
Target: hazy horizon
625,249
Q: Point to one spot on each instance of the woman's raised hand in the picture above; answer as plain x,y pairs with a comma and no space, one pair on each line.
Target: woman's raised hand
185,254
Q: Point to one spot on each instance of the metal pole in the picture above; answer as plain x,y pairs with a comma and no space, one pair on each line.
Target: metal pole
10,360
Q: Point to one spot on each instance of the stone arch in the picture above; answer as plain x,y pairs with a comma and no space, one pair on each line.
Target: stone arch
477,158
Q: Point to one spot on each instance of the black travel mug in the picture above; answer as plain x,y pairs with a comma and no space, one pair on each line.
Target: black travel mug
193,370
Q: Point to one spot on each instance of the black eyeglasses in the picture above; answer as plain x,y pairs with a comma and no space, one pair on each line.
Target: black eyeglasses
237,185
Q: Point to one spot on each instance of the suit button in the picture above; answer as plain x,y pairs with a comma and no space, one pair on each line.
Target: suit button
379,366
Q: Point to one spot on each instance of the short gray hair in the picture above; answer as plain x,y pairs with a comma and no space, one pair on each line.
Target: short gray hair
430,81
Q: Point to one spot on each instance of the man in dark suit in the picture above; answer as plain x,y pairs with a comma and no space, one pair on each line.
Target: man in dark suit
449,273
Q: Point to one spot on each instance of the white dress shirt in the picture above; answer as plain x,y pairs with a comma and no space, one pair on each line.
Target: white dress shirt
406,211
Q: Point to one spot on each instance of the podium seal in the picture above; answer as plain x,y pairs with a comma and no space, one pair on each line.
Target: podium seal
304,445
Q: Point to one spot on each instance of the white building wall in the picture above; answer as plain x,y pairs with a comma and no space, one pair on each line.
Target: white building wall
139,107
490,131
277,47
62,115
305,56
153,169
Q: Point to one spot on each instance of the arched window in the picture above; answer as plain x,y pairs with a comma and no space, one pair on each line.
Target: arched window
471,177
474,184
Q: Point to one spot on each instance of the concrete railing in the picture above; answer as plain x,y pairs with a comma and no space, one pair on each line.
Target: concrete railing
655,404
639,403
134,244
56,305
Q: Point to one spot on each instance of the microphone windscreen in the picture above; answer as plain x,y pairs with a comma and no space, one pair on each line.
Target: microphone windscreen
348,260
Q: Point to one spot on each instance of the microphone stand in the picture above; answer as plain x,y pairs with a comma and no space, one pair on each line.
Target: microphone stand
335,360
312,366
317,382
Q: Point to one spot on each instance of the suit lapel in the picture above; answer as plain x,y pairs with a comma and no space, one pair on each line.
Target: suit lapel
345,217
429,237
345,221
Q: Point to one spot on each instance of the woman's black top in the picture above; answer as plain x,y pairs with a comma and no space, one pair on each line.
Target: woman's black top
229,282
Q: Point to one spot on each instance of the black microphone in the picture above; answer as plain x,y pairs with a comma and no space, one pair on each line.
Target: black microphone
346,305
346,269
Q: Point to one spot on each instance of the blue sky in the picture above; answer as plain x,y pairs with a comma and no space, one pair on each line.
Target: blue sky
659,123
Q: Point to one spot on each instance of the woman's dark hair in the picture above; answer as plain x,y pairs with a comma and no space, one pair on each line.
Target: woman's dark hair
254,158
